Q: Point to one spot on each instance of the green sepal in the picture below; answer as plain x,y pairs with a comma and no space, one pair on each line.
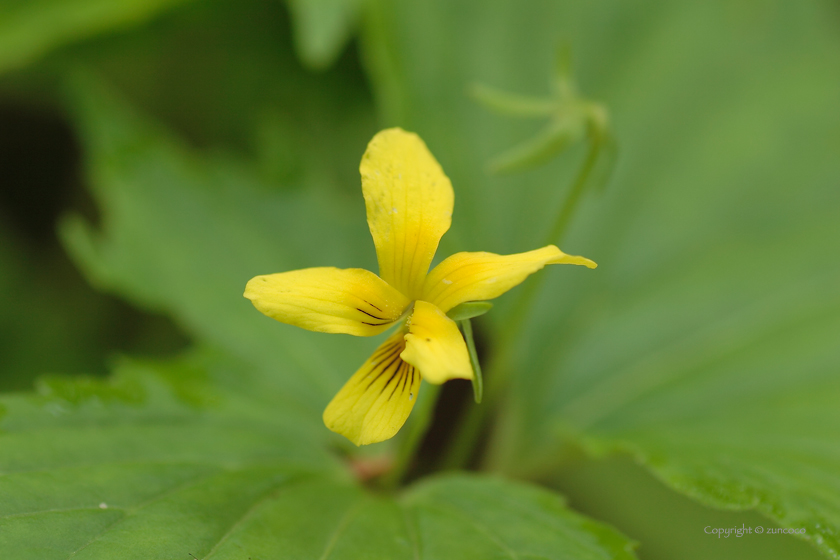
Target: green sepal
477,380
512,104
560,133
469,310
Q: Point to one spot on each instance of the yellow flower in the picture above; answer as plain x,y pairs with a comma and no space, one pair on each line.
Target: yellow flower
409,204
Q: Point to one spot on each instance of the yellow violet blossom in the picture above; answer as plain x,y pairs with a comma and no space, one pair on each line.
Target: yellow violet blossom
409,203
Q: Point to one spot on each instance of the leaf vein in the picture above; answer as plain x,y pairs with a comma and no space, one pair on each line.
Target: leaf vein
486,531
133,510
60,510
270,494
340,528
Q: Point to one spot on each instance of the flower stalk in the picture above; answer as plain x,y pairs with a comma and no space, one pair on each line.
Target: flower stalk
420,422
500,365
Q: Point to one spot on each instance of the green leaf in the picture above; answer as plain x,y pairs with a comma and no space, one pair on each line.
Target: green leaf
163,478
462,516
322,28
31,28
706,342
143,477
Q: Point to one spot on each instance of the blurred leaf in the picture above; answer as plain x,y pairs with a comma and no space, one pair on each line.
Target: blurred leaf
223,74
239,479
75,389
183,234
31,28
52,320
706,343
322,28
611,489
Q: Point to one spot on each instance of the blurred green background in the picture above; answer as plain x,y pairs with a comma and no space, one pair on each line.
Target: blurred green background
212,140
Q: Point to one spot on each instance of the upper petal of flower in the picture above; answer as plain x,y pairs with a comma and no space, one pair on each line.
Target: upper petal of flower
434,345
352,301
409,206
374,404
482,276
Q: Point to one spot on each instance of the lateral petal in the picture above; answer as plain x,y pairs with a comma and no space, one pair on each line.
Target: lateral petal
374,404
409,204
327,299
482,276
434,345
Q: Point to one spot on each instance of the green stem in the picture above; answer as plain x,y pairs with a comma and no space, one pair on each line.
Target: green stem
570,205
417,428
498,371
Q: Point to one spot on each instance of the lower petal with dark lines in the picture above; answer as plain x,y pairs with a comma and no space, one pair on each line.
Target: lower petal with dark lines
375,403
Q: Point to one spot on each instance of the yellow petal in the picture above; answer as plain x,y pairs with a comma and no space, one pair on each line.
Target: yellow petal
434,345
333,300
375,403
409,206
482,276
